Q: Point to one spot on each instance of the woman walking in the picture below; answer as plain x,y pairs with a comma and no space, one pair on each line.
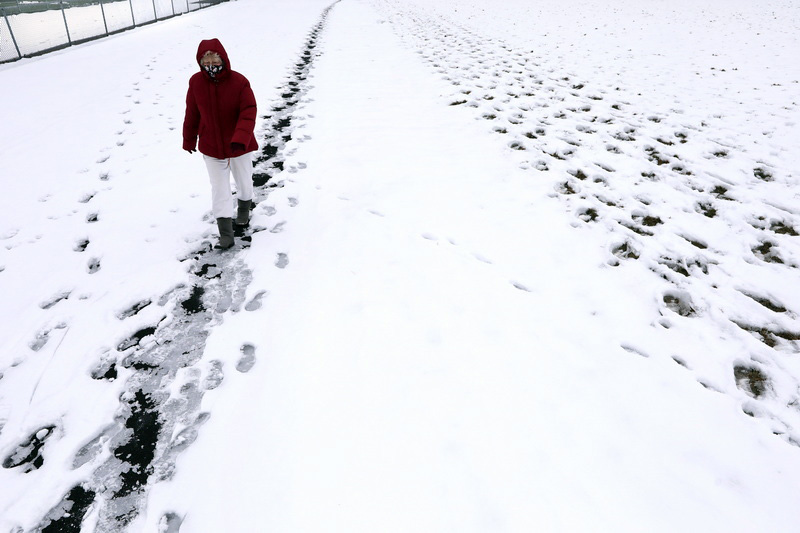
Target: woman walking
221,111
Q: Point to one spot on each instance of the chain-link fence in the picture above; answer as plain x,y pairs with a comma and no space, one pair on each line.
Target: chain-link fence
33,27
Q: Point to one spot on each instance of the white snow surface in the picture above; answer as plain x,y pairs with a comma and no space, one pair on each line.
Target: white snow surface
527,266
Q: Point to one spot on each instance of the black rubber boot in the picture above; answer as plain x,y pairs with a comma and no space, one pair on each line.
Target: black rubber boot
243,212
225,226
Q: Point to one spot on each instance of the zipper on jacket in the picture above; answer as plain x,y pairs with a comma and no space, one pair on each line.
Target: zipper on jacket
215,112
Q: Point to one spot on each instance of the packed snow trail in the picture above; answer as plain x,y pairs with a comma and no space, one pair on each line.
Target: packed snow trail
96,415
448,350
154,424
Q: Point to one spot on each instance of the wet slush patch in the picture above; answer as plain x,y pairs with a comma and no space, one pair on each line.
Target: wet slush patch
75,505
106,371
194,303
209,271
136,338
28,454
139,451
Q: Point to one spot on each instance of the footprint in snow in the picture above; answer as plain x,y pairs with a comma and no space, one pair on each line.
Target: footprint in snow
631,349
105,369
256,302
520,286
768,252
282,261
481,258
28,454
137,338
87,197
53,300
248,358
93,265
214,376
92,449
39,341
9,234
43,336
170,523
133,309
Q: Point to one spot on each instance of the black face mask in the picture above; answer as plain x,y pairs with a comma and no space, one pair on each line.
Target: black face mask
213,70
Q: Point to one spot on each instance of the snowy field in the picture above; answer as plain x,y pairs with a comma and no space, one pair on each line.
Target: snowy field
515,266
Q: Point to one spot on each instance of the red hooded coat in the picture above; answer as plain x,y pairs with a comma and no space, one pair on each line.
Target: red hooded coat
220,110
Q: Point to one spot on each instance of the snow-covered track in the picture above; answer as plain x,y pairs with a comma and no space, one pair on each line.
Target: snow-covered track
700,203
160,415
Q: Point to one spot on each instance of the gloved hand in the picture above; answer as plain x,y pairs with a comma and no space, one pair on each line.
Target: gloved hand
190,150
237,147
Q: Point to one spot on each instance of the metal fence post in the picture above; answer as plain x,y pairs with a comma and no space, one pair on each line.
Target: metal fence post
13,39
66,26
155,13
133,17
172,5
103,11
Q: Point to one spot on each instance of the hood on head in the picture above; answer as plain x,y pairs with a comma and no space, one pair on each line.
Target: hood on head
215,46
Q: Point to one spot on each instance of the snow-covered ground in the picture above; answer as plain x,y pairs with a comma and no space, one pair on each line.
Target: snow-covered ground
518,266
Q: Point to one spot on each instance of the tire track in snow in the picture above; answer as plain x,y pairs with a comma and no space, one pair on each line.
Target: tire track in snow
669,193
153,423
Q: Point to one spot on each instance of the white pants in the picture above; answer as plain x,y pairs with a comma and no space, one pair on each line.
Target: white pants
219,172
